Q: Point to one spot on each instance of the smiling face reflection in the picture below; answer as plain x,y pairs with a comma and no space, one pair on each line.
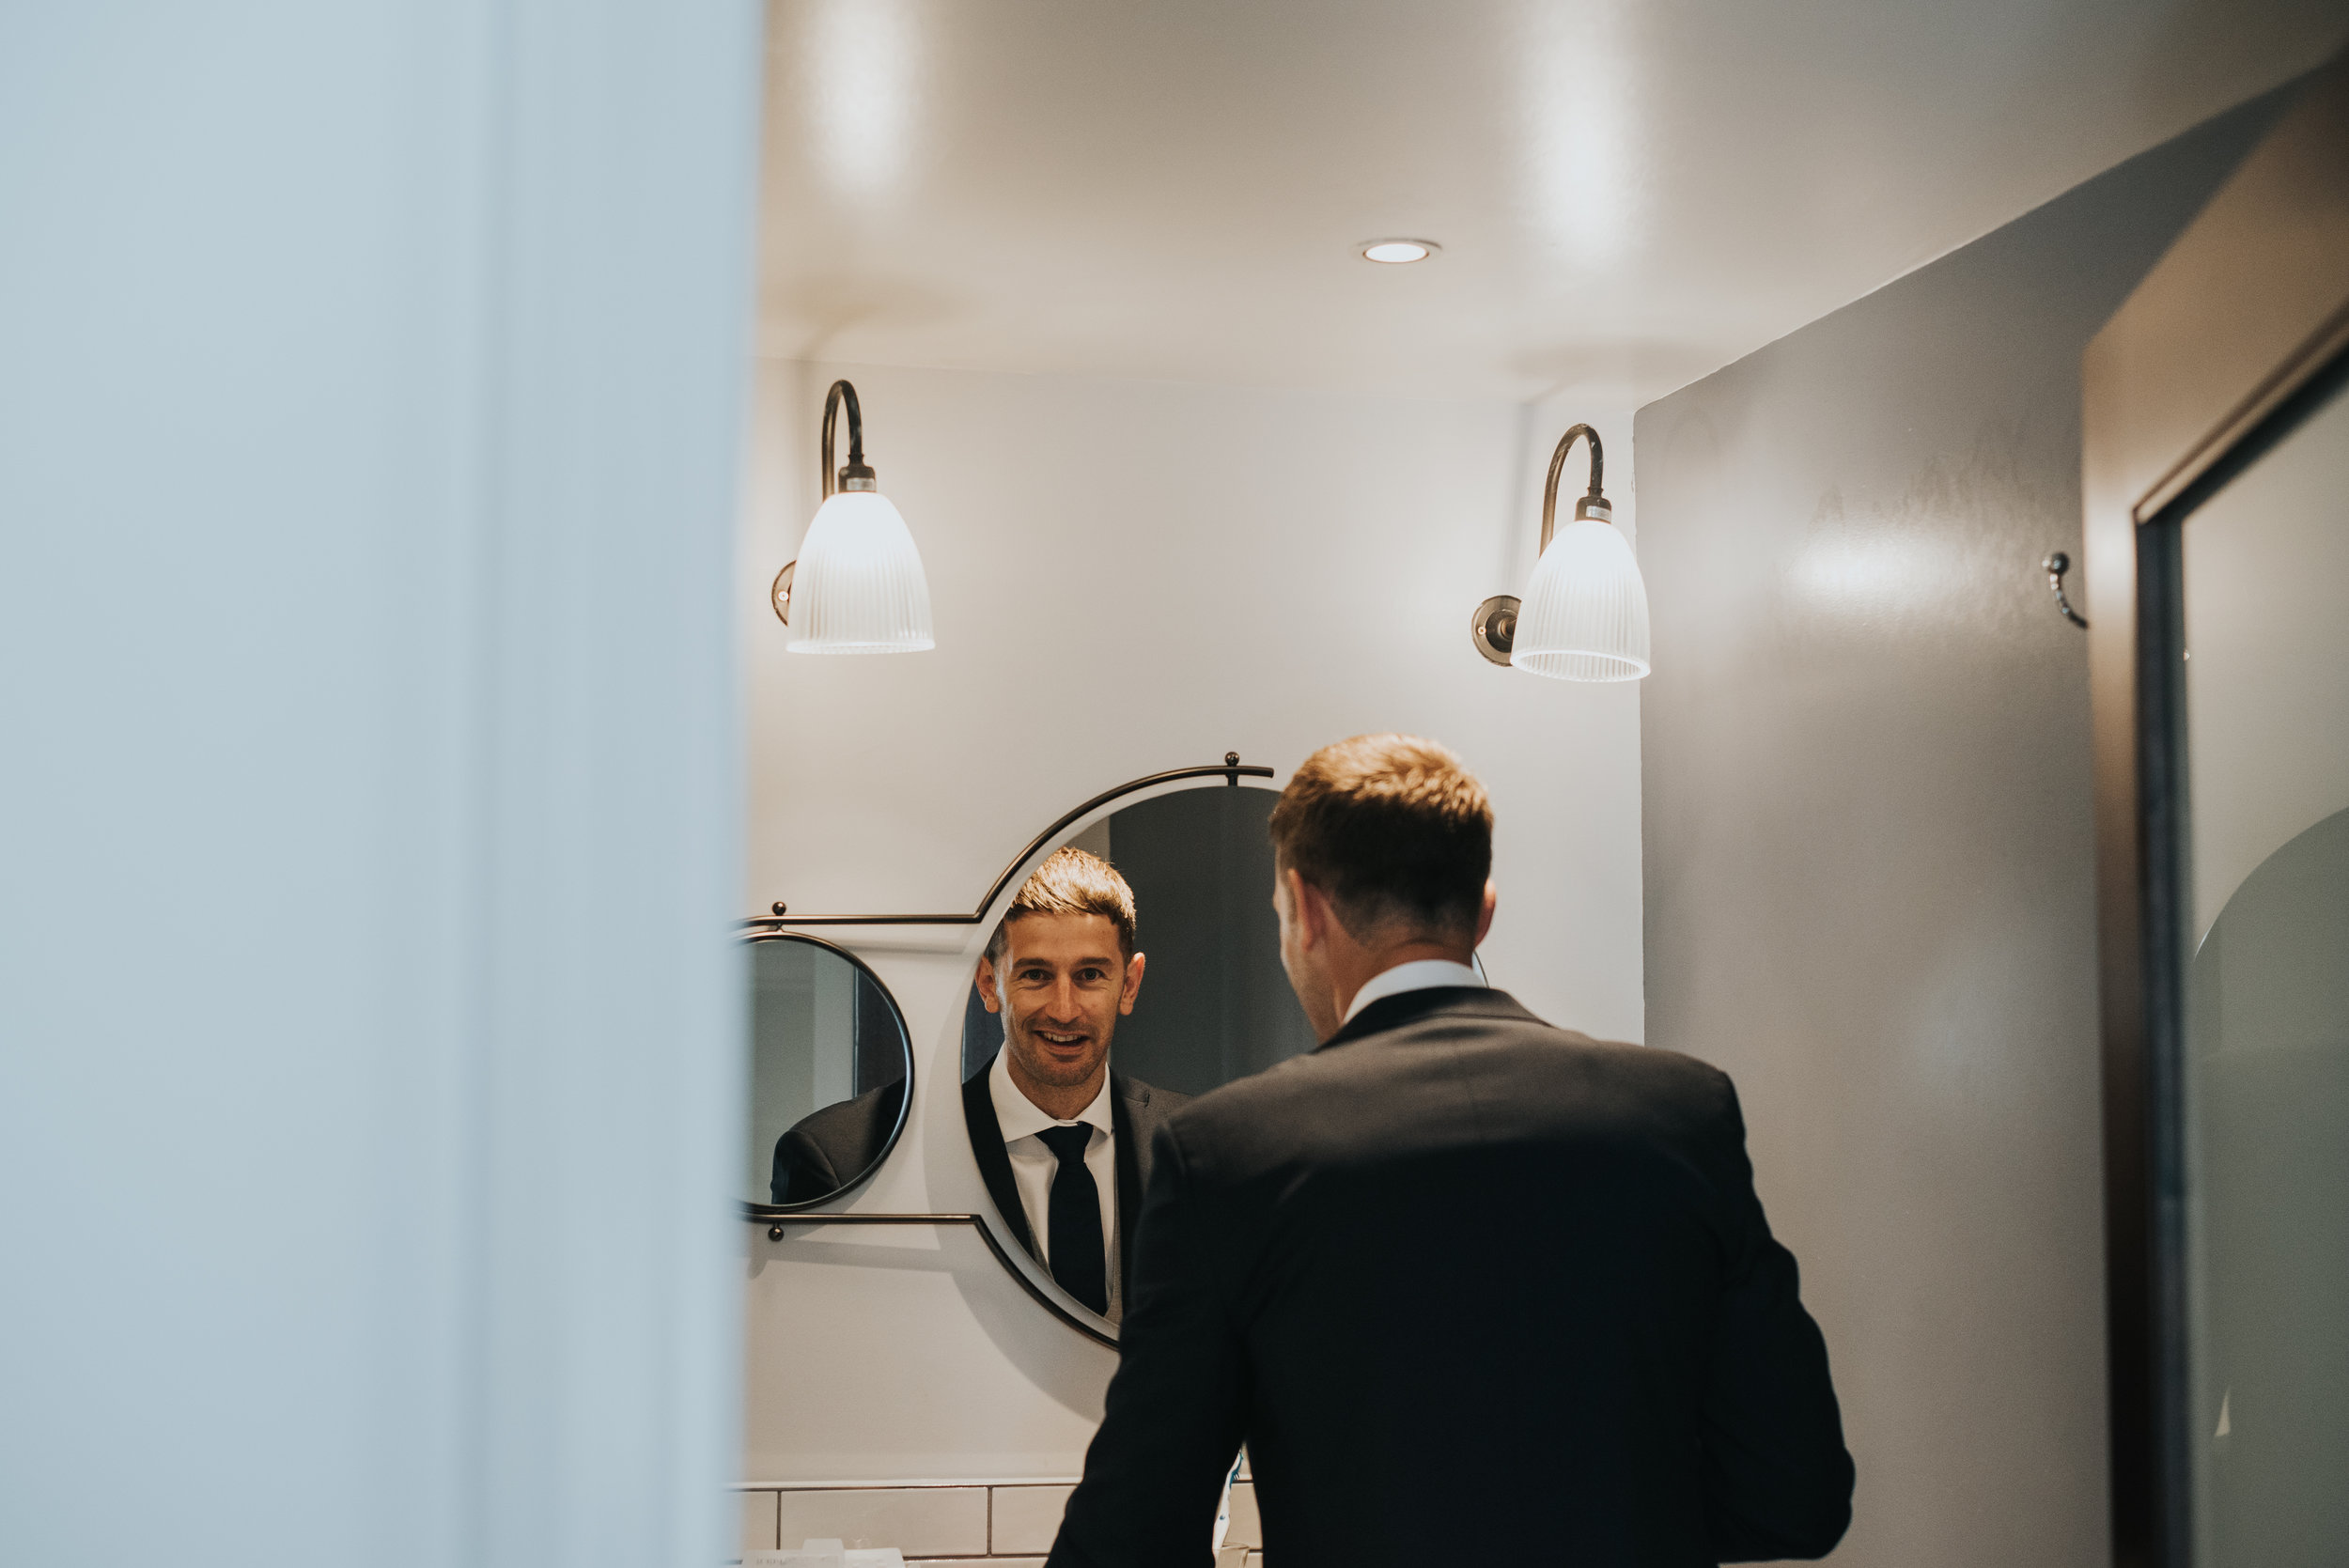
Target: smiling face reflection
1061,983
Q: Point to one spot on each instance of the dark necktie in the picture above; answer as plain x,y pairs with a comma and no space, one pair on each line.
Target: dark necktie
1077,1251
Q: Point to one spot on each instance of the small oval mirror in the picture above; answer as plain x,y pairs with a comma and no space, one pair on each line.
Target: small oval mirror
831,1067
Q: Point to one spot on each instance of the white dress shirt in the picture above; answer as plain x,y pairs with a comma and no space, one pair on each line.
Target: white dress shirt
1421,975
1034,1164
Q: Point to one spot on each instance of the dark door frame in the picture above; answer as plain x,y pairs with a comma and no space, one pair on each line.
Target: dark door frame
2233,336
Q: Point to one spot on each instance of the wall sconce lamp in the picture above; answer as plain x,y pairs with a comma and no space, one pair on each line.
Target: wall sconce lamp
857,585
1584,615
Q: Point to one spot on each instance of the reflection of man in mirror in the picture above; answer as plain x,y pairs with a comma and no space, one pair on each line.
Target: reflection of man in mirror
831,1149
1063,1142
1465,1283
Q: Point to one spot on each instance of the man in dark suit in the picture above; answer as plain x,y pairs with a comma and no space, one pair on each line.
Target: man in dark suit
829,1149
1064,1142
1465,1283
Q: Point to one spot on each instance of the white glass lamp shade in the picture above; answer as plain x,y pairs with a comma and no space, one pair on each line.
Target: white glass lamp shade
859,586
1585,612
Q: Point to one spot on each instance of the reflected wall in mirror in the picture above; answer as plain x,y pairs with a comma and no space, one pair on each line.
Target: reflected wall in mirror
831,1066
2267,1103
2263,1098
1113,1020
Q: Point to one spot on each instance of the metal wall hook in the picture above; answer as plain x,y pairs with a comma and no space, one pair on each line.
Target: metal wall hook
2055,567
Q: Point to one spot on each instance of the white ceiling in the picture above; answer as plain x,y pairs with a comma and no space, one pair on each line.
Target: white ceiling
1628,194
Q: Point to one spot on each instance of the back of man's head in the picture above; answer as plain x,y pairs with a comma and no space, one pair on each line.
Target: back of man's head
1395,830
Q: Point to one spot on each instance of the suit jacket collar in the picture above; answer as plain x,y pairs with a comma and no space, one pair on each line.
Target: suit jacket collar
1409,1007
1419,974
987,1143
1020,1117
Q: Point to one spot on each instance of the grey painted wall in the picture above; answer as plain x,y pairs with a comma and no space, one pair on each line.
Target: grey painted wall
1867,846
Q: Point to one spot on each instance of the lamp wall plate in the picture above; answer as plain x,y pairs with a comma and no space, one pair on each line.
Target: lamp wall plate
1494,627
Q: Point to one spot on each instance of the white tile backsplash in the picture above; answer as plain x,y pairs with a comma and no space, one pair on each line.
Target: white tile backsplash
919,1521
1027,1517
1246,1528
974,1524
758,1521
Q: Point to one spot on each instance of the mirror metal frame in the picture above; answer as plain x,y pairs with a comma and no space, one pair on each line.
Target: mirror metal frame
905,1111
777,1228
1231,771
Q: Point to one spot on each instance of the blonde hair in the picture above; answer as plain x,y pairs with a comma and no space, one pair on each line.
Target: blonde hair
1071,882
1394,829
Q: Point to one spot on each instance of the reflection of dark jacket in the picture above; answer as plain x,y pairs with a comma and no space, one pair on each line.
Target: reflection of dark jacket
1460,1277
1136,1112
831,1149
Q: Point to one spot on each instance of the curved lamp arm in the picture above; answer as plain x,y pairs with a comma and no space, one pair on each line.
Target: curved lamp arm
1584,507
854,476
1494,627
847,477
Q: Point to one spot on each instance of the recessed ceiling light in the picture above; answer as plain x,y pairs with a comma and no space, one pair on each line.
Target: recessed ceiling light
1395,253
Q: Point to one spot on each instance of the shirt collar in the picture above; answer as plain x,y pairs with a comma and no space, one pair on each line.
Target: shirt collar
1418,975
1020,1117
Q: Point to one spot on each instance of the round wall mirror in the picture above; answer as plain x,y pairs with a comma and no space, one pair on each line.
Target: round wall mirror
831,1072
1200,1000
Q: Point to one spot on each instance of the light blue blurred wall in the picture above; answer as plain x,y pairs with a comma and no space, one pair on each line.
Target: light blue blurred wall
370,394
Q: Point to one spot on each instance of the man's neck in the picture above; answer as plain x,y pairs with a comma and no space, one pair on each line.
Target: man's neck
1362,966
1061,1105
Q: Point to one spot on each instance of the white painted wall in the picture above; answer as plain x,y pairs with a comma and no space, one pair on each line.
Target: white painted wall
1127,577
369,379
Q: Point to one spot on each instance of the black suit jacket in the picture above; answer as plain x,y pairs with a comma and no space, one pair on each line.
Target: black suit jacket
831,1149
1137,1112
1468,1283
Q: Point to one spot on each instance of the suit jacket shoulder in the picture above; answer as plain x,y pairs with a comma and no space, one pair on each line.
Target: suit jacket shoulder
1142,1107
1477,1056
833,1148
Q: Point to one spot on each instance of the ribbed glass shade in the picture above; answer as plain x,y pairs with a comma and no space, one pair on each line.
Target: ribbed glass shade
859,586
1585,614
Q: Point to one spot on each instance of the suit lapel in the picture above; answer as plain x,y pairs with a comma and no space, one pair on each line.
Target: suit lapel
1125,1098
987,1143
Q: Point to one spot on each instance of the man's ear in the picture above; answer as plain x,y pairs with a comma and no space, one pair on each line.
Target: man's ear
1311,908
1133,984
1484,916
984,980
